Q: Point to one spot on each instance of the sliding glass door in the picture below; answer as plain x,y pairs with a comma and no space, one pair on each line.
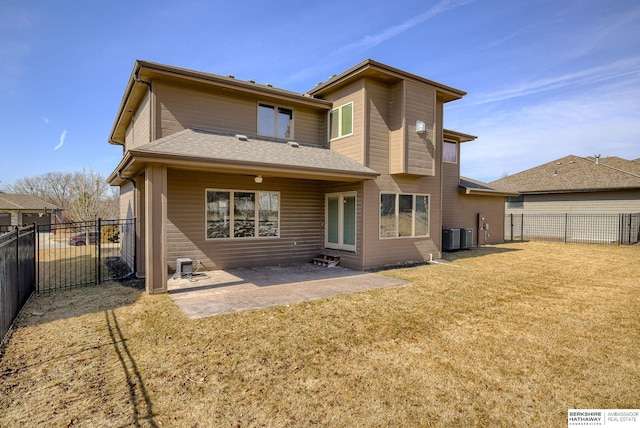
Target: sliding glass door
340,221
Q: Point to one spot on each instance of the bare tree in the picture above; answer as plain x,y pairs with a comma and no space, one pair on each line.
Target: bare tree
82,195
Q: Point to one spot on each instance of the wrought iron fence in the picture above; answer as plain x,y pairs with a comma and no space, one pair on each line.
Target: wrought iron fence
609,229
85,253
17,273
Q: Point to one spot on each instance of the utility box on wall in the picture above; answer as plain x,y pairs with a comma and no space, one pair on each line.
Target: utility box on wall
466,238
450,239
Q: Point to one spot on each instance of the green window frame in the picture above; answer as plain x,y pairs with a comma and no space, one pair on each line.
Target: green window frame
241,214
341,121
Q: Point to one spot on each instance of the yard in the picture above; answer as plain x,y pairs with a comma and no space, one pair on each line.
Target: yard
508,335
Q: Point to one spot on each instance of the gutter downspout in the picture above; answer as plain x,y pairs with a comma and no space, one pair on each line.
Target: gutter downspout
135,211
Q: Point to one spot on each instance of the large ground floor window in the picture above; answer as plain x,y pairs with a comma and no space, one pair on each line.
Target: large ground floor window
404,215
242,214
340,221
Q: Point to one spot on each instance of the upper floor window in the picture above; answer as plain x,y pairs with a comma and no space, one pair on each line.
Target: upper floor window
450,151
274,121
341,121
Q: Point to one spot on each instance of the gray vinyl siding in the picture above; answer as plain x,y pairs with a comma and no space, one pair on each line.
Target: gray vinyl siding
581,203
301,222
222,110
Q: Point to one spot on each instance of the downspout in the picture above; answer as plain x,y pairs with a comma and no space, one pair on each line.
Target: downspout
135,187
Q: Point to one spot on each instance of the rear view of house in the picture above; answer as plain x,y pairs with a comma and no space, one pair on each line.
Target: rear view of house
235,173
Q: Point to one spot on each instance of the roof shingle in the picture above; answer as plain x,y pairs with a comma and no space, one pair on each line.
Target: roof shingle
223,147
574,174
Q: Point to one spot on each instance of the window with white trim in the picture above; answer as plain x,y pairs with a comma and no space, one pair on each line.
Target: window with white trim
404,215
242,214
274,121
341,121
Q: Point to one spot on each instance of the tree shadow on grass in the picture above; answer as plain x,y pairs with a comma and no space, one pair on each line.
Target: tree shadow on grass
140,401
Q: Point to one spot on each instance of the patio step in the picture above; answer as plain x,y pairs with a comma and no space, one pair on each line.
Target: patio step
327,260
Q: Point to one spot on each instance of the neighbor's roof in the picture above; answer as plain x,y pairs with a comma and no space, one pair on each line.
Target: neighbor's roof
470,186
575,174
246,155
19,201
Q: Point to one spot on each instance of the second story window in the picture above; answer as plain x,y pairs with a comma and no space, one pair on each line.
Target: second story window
450,152
341,121
274,121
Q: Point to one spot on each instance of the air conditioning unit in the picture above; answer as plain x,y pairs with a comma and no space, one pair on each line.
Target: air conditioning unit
184,267
450,239
466,238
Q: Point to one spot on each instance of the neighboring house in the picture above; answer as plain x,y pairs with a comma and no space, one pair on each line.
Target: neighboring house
233,173
19,209
575,185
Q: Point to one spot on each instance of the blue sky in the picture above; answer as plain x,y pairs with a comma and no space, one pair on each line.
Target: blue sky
544,79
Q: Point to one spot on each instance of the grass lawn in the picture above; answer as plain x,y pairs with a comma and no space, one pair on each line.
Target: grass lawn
508,335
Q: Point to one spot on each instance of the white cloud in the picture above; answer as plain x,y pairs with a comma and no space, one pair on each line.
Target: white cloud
62,138
511,138
46,120
629,67
393,31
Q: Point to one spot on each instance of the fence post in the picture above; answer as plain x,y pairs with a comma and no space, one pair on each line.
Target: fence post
511,226
522,227
566,221
99,245
36,242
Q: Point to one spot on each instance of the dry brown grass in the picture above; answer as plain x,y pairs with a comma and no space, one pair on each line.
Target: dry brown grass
511,335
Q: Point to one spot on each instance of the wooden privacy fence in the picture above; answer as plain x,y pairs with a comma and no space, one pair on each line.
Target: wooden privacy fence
609,229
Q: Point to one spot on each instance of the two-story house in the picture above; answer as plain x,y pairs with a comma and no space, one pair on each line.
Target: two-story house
234,173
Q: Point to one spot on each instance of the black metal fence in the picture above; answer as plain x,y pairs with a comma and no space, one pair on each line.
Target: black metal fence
609,229
17,273
85,253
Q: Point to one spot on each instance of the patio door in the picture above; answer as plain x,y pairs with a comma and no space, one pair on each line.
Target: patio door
340,221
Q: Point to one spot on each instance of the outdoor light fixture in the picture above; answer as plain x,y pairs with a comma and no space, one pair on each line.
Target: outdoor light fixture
420,126
258,179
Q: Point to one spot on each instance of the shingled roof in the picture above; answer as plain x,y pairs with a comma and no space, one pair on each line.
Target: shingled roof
475,187
19,201
253,153
575,174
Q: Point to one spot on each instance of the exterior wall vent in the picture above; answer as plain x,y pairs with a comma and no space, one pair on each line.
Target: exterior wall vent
242,137
293,144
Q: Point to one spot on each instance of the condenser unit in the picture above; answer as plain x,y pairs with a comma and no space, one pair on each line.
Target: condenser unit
184,267
466,238
450,239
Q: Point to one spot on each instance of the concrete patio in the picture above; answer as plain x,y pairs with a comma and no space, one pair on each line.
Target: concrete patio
234,290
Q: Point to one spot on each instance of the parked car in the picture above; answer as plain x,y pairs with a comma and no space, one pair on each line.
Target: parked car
81,238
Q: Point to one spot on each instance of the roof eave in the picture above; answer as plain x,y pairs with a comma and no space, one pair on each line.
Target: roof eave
136,159
447,93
